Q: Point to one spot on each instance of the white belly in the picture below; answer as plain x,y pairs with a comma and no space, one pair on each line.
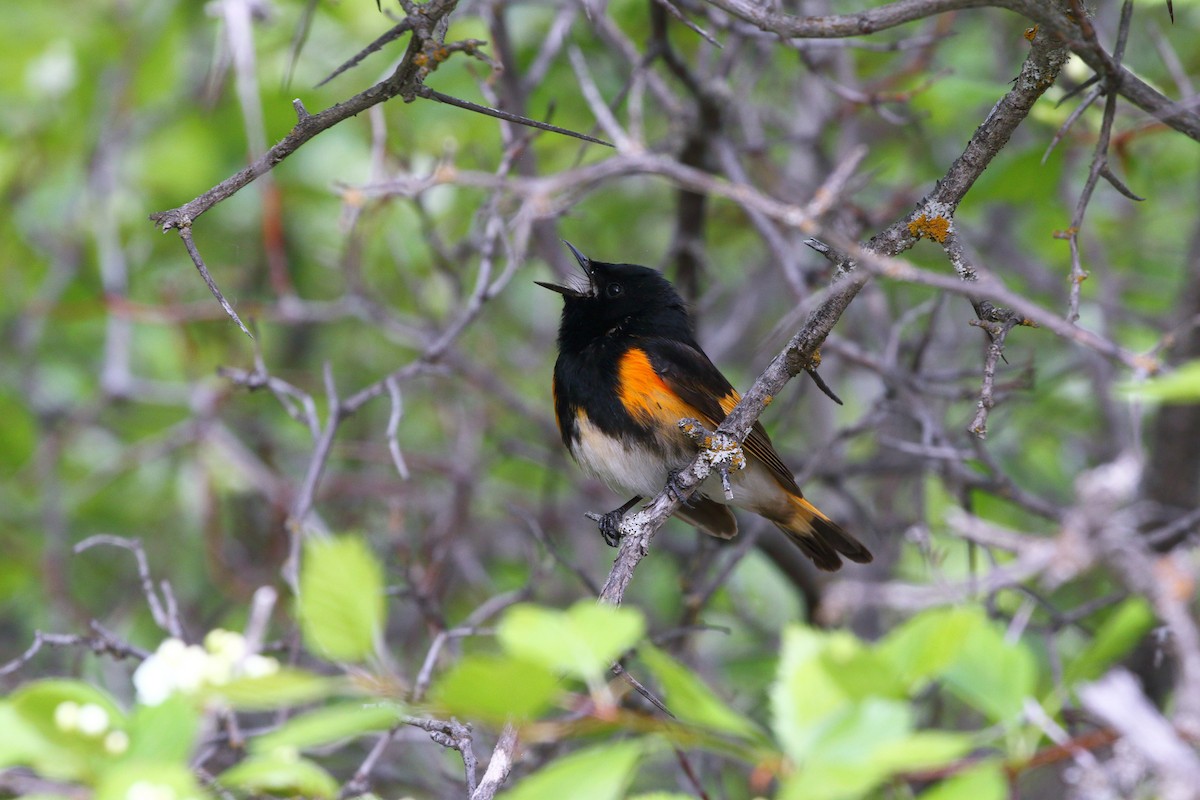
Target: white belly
630,468
625,466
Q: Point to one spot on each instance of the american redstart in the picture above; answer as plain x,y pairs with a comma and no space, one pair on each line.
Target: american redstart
628,370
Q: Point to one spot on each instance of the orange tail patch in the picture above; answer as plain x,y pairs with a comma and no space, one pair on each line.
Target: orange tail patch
821,539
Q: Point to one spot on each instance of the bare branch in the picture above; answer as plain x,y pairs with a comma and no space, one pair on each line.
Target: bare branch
499,766
185,233
102,643
431,94
395,32
998,331
166,618
1050,18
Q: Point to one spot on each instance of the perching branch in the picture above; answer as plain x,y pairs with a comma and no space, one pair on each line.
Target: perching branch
936,209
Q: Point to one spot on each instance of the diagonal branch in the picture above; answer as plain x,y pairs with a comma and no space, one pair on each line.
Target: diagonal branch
1048,15
1037,74
393,33
426,50
488,111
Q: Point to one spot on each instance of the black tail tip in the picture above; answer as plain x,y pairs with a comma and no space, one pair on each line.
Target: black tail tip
826,544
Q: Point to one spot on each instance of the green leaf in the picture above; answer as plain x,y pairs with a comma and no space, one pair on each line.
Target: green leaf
60,745
341,598
991,674
804,697
855,736
582,641
597,773
922,750
281,772
496,688
283,689
859,670
1181,385
163,733
922,647
691,700
156,779
328,725
866,745
37,703
984,781
1115,637
23,745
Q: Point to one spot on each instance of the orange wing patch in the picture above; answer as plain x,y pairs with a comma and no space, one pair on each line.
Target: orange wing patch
646,396
729,401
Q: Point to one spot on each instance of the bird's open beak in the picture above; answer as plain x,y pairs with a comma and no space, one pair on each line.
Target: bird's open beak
566,291
585,263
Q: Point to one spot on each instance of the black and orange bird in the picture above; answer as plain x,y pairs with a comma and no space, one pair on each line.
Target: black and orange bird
628,370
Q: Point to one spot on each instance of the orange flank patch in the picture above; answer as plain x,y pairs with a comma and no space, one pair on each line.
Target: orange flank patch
645,395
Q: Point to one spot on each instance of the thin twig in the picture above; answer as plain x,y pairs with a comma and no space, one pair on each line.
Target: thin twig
102,643
393,428
431,94
166,618
998,332
1099,166
393,33
185,233
361,782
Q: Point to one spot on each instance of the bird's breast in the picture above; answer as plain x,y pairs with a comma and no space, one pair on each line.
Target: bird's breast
636,465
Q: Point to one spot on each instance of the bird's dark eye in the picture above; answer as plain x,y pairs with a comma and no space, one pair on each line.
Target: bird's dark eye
614,290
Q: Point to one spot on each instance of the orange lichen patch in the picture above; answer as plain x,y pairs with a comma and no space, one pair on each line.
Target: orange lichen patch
768,400
1067,234
644,394
936,227
1031,33
1148,364
1180,586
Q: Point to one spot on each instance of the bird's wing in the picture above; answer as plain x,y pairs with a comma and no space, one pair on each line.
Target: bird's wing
692,376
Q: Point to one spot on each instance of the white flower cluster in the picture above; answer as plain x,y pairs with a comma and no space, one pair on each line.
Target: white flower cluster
92,721
187,668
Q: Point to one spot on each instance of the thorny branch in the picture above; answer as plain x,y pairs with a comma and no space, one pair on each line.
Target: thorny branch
1049,16
1042,65
426,49
543,198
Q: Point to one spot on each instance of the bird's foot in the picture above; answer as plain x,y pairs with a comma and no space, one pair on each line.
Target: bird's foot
724,453
610,522
676,491
610,527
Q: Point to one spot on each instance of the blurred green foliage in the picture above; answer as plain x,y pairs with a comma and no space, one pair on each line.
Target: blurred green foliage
116,421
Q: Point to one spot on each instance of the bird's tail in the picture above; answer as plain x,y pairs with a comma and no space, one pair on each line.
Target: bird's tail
821,539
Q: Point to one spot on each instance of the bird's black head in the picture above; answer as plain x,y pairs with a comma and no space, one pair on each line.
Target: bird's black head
619,300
